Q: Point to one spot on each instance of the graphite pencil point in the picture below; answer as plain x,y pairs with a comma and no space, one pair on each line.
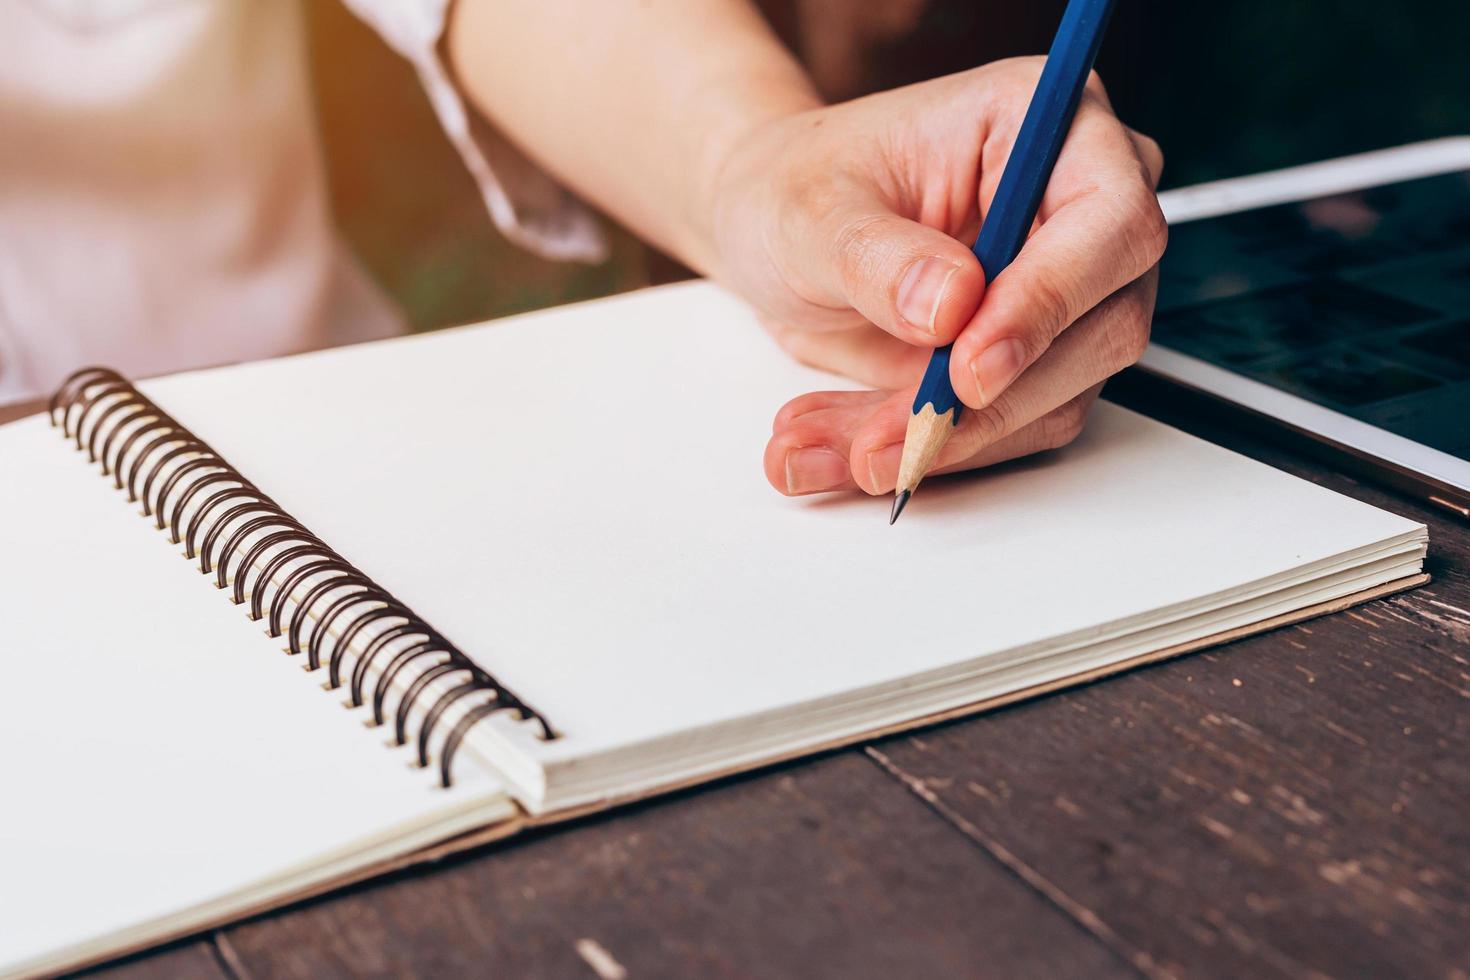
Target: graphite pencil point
900,501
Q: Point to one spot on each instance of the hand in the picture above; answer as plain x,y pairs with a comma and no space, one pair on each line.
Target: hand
849,228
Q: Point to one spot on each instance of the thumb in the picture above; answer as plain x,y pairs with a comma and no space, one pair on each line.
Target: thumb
913,281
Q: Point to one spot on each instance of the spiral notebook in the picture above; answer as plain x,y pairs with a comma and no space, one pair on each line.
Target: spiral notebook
527,569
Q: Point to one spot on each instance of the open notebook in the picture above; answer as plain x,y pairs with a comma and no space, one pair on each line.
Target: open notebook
583,596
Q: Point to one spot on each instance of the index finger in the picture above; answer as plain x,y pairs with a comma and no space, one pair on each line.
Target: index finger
1101,228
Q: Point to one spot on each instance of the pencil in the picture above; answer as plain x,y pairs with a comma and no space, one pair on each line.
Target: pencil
1048,118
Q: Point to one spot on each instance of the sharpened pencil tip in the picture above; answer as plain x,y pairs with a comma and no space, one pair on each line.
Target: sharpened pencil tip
900,501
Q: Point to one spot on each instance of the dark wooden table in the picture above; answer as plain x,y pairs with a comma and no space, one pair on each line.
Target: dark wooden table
1295,804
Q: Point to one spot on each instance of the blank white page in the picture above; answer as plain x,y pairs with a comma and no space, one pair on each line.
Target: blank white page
162,755
575,497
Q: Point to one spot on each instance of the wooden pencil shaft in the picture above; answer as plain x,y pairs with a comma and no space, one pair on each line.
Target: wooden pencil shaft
927,433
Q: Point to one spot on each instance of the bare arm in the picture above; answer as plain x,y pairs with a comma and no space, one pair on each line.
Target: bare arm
847,227
632,104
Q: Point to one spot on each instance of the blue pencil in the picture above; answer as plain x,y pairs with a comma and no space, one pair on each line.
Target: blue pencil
1027,170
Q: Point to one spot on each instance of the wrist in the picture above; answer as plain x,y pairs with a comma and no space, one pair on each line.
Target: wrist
729,161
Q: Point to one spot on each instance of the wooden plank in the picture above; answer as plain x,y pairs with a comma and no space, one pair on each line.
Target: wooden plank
194,959
1290,805
829,869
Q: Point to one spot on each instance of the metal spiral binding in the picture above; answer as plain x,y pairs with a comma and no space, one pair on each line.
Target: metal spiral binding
277,563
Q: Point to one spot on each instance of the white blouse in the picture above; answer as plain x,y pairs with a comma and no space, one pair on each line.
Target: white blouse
162,195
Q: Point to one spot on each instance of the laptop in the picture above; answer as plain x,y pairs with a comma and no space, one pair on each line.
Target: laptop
1334,300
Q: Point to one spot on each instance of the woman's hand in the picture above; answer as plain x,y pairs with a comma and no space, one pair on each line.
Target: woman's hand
849,229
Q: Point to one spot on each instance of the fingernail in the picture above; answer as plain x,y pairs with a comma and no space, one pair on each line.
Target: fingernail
815,468
921,291
996,367
883,466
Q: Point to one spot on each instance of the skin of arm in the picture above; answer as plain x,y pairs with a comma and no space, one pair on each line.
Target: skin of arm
847,227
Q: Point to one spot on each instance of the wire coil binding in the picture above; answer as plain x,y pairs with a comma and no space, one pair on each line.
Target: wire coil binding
288,577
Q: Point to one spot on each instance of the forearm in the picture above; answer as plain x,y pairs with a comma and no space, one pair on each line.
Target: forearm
633,105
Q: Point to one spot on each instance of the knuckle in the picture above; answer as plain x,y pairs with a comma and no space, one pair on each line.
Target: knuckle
1156,234
1051,309
858,241
811,195
1126,344
1147,232
1095,86
991,424
1135,341
1035,345
1127,329
1026,69
1150,148
1132,330
1064,424
1027,63
1150,155
857,236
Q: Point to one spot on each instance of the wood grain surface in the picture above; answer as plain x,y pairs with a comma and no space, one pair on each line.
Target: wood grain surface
1293,804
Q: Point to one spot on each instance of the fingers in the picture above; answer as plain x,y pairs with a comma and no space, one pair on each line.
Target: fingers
869,426
915,282
820,400
1102,228
1100,344
1052,430
799,456
811,441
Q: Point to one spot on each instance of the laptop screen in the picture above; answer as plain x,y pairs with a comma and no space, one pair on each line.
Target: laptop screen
1359,302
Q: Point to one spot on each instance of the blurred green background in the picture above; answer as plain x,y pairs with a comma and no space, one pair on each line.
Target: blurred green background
1226,88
